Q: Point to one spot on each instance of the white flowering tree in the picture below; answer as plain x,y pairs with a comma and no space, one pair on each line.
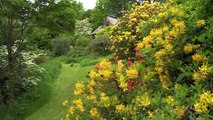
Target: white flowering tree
82,27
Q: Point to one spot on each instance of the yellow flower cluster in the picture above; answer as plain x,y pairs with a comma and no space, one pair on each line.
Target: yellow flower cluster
200,23
132,73
205,100
202,74
119,108
188,48
95,114
122,83
170,100
180,111
65,102
105,73
104,100
143,101
197,57
105,64
93,75
127,32
79,88
78,105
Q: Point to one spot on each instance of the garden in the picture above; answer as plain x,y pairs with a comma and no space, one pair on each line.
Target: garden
121,60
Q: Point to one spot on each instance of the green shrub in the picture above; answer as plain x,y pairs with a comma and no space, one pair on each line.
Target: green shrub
82,41
77,51
33,99
61,44
169,75
100,44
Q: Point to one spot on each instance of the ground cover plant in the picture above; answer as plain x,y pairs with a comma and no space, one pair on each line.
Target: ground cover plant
162,68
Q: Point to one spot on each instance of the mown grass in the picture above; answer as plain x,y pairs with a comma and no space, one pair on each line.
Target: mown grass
85,60
63,89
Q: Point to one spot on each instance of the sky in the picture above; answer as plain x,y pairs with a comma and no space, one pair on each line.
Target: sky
88,4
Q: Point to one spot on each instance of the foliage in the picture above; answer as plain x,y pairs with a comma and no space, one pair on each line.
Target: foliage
39,38
33,99
77,51
100,44
83,27
57,17
82,41
129,31
61,44
169,75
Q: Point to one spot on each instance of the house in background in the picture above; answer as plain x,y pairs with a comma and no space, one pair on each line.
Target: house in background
108,21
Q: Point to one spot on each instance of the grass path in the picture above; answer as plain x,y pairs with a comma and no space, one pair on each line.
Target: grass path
63,89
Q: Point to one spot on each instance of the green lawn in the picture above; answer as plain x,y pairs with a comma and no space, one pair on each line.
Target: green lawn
63,89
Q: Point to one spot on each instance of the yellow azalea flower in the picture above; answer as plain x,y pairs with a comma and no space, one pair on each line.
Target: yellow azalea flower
197,76
163,14
71,110
160,53
188,48
156,32
65,102
147,39
67,117
106,74
123,85
170,100
173,33
78,104
159,69
79,88
105,65
120,65
119,108
140,45
168,47
93,112
93,75
180,111
200,23
204,69
197,57
150,114
143,100
174,10
200,107
132,73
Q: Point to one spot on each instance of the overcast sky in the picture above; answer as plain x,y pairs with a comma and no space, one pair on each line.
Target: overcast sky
88,4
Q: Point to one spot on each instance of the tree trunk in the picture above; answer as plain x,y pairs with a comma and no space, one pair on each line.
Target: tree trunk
10,67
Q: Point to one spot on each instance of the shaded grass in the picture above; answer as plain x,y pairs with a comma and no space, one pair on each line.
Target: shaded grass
63,89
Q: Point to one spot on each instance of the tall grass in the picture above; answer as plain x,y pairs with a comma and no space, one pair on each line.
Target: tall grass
37,96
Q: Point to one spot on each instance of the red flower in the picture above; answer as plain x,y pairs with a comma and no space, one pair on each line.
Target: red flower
97,66
130,63
132,84
139,58
116,58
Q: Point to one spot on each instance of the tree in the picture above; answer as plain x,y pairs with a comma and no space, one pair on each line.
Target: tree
16,63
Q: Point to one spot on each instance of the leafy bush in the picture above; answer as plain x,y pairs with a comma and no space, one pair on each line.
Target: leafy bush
61,44
82,41
170,76
100,44
128,31
33,99
78,51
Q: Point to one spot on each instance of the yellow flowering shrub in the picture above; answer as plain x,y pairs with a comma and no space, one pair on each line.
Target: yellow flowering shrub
168,73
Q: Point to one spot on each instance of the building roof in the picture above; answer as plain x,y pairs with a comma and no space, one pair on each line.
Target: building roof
108,21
